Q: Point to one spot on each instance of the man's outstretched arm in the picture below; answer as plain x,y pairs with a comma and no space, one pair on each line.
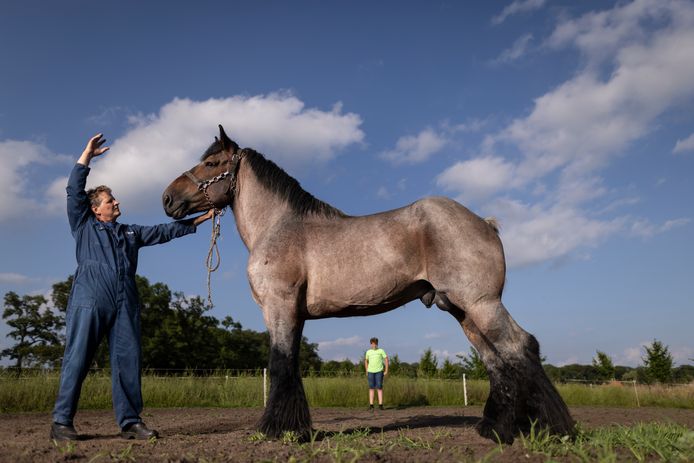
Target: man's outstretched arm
77,202
158,234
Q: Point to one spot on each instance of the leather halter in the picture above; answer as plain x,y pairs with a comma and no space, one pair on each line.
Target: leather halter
230,172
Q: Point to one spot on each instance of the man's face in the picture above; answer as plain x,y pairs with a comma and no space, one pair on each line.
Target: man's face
374,345
108,210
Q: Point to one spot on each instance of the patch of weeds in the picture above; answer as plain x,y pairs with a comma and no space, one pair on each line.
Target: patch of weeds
290,437
257,437
69,447
360,443
125,455
642,442
340,447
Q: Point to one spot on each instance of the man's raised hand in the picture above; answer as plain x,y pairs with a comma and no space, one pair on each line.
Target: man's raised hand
94,148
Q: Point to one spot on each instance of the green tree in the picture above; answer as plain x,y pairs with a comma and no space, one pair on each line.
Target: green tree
61,294
341,368
394,365
428,364
308,356
473,366
34,328
450,370
658,362
683,374
603,366
177,333
399,368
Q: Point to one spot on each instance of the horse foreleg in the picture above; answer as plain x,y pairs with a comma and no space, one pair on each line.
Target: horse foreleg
520,392
287,408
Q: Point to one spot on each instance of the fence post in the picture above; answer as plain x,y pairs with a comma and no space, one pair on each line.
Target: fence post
638,404
264,387
465,389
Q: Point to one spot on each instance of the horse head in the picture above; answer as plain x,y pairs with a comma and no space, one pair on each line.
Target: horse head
209,184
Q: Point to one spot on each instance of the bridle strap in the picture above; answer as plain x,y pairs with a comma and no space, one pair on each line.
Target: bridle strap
204,184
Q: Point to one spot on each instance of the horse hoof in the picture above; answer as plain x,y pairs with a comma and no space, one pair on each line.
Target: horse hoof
492,431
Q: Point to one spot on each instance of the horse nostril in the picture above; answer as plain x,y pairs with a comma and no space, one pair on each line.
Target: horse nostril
167,200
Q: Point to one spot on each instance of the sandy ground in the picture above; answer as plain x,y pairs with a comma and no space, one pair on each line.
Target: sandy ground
420,433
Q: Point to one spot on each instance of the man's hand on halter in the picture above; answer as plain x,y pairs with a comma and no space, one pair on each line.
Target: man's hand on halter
204,217
94,148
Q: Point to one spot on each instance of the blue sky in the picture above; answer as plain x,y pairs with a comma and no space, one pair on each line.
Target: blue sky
571,122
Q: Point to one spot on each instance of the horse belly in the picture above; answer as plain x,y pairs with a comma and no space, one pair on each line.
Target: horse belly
364,276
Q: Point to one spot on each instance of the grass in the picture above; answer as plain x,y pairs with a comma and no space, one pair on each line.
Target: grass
37,392
642,442
359,443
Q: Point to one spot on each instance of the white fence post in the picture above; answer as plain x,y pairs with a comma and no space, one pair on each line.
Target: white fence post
637,395
465,389
264,386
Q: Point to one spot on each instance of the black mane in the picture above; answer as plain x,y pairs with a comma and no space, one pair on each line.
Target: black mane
275,179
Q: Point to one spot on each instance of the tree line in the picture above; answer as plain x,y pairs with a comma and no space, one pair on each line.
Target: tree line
178,334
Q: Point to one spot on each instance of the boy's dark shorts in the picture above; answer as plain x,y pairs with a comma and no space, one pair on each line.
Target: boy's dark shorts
376,380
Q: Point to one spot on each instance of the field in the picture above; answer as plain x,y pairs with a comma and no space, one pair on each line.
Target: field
424,421
348,434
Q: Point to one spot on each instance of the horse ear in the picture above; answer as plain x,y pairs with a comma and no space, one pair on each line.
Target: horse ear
226,141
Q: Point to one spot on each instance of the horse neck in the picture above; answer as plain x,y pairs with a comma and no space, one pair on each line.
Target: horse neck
255,208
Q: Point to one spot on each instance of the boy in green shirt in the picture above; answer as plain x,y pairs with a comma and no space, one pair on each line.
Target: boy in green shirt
374,362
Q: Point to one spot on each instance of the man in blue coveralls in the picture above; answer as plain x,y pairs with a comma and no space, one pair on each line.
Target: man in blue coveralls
104,299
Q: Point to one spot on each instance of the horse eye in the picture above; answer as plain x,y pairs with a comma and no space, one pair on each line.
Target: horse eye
211,164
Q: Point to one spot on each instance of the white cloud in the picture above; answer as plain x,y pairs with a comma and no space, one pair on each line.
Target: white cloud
159,147
684,145
633,356
639,64
518,49
477,178
587,120
443,354
10,278
17,191
353,341
414,149
682,355
572,360
383,193
536,233
518,6
646,229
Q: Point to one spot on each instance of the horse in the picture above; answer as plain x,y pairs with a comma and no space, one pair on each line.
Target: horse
308,260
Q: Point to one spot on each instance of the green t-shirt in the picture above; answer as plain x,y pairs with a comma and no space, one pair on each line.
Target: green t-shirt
375,358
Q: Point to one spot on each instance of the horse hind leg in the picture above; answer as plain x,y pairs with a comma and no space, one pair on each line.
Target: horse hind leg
520,392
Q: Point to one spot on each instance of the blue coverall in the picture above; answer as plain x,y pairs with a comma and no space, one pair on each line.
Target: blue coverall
104,301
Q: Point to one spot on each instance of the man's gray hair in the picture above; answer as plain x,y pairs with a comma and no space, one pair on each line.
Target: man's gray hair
94,195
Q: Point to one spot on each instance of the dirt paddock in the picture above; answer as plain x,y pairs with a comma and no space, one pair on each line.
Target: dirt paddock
212,434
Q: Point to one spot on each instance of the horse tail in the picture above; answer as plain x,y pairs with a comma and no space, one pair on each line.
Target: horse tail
492,222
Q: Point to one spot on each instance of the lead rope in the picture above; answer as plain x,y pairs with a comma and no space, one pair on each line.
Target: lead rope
214,249
216,224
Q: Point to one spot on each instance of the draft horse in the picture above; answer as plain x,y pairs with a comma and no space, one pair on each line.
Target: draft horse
308,260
